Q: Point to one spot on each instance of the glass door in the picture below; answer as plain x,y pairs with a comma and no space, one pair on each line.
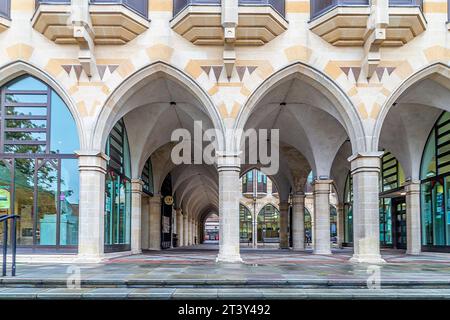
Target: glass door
399,215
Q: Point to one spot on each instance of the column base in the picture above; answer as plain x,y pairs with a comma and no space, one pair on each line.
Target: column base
229,259
413,252
367,258
89,259
298,249
136,251
322,252
154,249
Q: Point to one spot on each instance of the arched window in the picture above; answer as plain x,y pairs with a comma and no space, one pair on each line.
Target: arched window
333,224
269,224
392,175
308,227
348,210
38,167
118,191
435,188
147,177
245,223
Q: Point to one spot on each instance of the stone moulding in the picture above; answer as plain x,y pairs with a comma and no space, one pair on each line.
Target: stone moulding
4,24
347,26
112,24
202,25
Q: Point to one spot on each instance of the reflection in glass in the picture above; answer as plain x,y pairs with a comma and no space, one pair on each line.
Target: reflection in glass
269,224
63,126
47,190
5,193
438,214
245,223
23,196
45,186
69,202
426,206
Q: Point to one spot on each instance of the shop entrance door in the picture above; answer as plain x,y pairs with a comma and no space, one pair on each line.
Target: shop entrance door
399,221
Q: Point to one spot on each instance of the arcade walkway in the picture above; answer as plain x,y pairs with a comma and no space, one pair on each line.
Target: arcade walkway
266,273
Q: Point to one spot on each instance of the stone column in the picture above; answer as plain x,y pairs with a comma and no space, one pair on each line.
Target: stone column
322,234
91,235
185,229
154,240
180,227
144,221
189,231
365,170
340,224
298,222
413,242
136,198
229,168
195,232
284,218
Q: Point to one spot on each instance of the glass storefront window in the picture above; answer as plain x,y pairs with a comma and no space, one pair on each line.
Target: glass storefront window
47,202
245,223
35,120
118,191
385,221
435,193
69,202
269,224
438,214
23,200
5,191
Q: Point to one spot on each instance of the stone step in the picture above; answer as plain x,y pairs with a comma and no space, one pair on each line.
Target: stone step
222,283
216,294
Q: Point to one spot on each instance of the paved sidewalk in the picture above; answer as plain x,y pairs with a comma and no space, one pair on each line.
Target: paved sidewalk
193,273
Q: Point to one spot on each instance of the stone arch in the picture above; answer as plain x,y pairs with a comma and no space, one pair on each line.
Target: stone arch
268,203
439,71
19,68
112,108
344,108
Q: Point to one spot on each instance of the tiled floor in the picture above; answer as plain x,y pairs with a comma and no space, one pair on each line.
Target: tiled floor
194,272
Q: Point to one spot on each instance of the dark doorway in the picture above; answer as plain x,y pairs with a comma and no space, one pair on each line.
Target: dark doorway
399,222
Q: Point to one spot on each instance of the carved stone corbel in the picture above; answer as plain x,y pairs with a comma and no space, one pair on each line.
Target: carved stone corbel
230,16
84,35
376,34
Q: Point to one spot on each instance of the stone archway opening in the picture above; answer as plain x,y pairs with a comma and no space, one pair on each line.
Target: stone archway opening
163,205
413,129
311,130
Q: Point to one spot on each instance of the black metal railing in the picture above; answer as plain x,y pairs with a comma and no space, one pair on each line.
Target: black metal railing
5,219
319,7
278,5
406,3
5,9
39,2
180,5
138,6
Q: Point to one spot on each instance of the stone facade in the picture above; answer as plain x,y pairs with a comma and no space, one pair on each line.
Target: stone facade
332,102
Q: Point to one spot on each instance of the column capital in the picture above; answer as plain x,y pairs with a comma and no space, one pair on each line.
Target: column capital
412,186
136,185
228,162
298,198
156,199
365,162
284,205
321,186
92,160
